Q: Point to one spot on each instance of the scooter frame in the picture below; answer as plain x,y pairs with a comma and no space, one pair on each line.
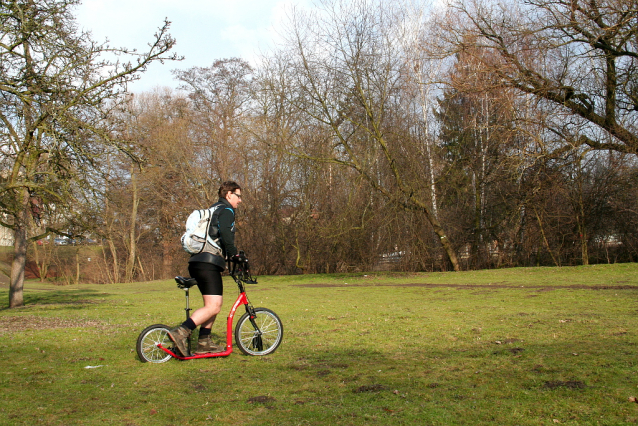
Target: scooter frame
242,299
240,273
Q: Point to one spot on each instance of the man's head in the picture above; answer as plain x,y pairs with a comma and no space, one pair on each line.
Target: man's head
231,191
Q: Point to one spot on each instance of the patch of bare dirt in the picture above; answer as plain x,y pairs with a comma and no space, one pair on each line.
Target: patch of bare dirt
262,399
30,322
482,286
369,388
570,384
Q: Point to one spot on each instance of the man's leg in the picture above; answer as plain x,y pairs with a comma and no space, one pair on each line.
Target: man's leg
212,306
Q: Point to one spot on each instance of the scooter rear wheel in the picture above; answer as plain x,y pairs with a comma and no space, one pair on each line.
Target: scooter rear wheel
148,340
260,336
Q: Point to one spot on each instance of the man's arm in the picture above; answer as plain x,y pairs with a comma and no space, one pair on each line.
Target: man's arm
227,231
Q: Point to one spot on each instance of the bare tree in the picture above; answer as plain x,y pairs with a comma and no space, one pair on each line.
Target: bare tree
344,73
56,90
479,144
579,55
147,201
221,96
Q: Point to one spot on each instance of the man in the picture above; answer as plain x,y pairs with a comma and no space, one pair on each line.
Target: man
206,268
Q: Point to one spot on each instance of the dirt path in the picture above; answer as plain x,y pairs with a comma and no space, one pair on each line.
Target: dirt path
482,286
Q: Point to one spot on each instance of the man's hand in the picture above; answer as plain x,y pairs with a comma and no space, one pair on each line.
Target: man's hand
239,258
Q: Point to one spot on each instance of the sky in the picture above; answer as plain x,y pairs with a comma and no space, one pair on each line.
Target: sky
205,30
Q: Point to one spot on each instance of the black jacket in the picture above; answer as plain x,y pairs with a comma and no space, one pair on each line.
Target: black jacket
227,234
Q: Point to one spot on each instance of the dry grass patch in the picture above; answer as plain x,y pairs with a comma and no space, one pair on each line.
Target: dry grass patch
16,324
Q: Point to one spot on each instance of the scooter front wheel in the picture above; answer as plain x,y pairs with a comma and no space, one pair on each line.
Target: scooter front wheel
260,335
148,340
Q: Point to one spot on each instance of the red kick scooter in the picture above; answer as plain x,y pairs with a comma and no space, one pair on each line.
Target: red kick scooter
258,332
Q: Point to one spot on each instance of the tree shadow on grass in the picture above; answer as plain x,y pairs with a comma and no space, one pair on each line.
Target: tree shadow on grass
77,298
356,368
526,366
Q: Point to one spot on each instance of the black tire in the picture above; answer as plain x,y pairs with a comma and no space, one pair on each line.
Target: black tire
264,339
147,343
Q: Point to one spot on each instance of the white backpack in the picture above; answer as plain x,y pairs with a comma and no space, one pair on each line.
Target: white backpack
196,239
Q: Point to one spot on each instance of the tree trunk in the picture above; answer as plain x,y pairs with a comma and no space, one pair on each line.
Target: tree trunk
115,261
447,246
425,105
440,232
77,265
583,247
476,241
16,296
115,278
167,259
580,220
132,242
42,260
544,237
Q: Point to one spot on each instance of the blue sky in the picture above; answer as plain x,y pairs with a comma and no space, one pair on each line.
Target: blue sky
205,30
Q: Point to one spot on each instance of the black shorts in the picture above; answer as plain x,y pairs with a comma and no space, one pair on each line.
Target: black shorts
209,278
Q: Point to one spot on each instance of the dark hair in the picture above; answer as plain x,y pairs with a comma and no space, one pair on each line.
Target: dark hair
228,186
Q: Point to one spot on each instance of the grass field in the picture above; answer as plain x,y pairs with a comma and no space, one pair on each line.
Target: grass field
532,346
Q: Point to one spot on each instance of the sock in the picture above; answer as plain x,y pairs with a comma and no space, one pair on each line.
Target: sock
203,332
189,324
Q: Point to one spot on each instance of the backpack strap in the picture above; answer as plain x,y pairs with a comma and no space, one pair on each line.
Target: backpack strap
214,219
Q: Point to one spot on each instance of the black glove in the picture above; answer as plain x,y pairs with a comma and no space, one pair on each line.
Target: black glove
239,258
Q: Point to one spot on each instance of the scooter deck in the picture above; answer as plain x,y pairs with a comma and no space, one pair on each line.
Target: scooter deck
227,352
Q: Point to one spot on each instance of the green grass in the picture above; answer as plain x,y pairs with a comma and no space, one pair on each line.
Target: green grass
528,346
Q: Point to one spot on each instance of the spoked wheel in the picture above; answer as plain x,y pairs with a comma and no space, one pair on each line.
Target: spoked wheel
261,335
148,340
